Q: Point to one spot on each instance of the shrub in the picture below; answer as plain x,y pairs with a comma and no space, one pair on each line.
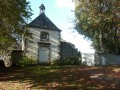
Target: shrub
71,61
25,61
16,55
55,62
67,61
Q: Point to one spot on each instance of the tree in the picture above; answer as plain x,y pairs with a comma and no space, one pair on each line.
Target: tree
99,20
13,15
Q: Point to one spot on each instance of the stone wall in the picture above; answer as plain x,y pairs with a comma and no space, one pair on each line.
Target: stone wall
107,59
88,59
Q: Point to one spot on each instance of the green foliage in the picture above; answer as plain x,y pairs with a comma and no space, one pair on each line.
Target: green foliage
5,43
16,55
67,61
25,61
13,15
18,59
99,20
55,62
71,61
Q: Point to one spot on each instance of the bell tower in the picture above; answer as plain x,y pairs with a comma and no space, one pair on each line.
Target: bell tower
42,8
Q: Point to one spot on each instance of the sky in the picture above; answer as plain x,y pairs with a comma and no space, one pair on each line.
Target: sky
61,13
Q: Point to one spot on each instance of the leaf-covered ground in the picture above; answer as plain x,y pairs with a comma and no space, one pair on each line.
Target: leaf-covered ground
60,78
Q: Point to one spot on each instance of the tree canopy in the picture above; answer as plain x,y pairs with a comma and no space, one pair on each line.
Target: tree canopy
99,20
13,15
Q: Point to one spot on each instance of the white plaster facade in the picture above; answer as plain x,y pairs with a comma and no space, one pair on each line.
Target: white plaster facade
34,44
45,42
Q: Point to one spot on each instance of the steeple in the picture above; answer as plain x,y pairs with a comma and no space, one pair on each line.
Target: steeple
42,8
43,22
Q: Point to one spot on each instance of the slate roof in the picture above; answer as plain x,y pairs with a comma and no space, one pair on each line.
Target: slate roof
70,44
43,22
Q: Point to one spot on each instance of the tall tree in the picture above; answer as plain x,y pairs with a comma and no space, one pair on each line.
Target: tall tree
13,15
99,20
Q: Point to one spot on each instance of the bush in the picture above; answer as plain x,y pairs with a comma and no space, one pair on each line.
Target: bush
25,61
67,61
16,55
55,62
71,61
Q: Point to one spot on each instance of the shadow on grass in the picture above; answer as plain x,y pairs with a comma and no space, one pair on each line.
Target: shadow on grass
62,77
47,77
103,77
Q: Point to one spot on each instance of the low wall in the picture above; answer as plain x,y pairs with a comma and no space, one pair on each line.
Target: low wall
88,59
107,59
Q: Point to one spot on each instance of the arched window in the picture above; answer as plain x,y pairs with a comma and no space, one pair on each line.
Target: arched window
44,36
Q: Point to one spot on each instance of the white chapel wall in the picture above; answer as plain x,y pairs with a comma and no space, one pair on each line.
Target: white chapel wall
55,43
33,47
32,43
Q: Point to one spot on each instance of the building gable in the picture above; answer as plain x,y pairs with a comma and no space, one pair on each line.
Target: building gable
43,22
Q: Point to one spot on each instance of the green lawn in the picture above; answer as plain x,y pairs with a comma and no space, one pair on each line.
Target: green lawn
44,78
60,78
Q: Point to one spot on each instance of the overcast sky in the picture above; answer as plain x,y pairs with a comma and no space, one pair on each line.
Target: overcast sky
60,12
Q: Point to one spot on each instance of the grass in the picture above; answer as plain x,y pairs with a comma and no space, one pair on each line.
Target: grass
60,78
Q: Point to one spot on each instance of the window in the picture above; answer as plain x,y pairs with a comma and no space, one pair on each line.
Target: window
44,36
